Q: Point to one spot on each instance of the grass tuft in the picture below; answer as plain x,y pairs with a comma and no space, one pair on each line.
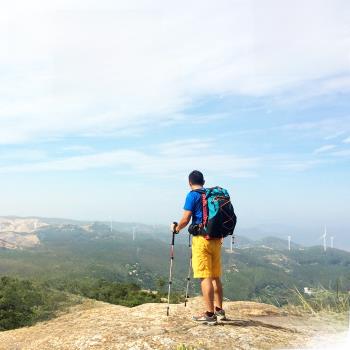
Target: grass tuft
322,299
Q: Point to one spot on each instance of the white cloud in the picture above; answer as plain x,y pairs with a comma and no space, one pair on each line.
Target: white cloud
171,160
300,165
326,128
180,148
342,154
324,148
334,135
347,140
323,125
100,67
22,155
78,149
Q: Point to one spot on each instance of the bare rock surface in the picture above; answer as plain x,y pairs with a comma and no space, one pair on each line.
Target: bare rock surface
97,325
20,225
13,240
19,233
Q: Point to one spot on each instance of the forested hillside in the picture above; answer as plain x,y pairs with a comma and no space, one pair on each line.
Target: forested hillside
259,270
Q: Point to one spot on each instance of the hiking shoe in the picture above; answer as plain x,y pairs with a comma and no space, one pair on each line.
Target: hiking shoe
220,314
206,319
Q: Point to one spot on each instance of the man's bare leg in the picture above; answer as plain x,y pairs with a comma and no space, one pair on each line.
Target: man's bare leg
218,293
208,293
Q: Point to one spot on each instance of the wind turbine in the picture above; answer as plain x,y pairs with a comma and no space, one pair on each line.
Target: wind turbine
289,240
111,225
133,233
231,243
324,236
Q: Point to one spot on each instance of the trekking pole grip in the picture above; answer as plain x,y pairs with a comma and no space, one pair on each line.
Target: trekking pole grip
174,232
175,225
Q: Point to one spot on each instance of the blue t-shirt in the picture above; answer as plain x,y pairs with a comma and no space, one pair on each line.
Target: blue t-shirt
194,204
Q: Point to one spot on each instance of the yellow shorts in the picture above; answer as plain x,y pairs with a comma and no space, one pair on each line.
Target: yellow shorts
206,257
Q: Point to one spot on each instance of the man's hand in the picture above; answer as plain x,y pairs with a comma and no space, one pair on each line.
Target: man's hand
186,217
173,227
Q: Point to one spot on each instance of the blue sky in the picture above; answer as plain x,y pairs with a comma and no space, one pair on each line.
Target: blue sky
105,107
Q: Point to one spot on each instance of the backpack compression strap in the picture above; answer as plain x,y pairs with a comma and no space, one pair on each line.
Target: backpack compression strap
205,209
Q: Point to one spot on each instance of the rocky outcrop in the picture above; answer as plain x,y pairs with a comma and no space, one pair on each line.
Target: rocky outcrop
20,225
97,325
12,240
19,233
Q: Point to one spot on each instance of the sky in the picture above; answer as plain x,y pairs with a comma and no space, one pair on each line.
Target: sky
106,106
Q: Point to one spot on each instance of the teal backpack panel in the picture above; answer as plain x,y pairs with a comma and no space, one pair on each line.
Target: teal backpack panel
221,219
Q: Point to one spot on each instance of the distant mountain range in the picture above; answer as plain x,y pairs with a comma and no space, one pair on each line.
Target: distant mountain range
56,250
19,232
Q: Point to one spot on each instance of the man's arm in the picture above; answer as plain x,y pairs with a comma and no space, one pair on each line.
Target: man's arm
186,217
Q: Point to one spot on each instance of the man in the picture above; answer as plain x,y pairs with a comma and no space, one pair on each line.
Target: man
206,254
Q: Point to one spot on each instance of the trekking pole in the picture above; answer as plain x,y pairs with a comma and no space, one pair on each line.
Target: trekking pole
189,269
171,266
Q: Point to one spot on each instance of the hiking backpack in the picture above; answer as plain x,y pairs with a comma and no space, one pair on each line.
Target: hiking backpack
219,218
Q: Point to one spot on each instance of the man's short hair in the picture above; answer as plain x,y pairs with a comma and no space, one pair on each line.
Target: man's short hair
196,178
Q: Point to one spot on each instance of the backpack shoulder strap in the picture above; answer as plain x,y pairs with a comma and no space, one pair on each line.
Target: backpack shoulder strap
204,195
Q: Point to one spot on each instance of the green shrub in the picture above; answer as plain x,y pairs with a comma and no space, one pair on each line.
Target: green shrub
23,302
